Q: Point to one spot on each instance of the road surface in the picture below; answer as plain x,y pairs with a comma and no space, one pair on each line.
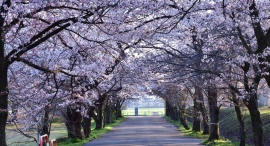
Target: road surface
144,131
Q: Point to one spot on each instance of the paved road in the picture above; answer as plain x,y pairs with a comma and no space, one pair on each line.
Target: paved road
144,131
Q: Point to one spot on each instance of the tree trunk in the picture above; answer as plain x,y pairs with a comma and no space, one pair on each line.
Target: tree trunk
256,121
251,103
46,124
86,124
166,108
73,122
78,124
242,125
240,119
3,76
214,114
107,115
69,123
196,117
87,121
3,95
175,113
99,117
118,112
205,119
169,111
182,117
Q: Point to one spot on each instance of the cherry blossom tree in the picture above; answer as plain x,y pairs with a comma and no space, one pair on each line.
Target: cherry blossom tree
70,53
33,31
25,26
243,21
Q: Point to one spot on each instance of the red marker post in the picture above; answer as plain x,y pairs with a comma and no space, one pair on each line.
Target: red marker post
44,140
53,142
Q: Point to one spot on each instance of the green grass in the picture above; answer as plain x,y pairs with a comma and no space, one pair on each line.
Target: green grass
59,132
264,110
15,139
221,142
143,111
186,132
229,125
94,134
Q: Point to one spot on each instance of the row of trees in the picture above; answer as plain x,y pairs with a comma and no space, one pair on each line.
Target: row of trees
70,55
82,54
219,47
58,53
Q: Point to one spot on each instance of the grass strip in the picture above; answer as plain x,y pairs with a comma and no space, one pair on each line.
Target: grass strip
94,135
190,133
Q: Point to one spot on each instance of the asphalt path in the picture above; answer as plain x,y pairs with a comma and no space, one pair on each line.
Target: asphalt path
144,131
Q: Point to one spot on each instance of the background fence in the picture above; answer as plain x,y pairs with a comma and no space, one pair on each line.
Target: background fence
144,111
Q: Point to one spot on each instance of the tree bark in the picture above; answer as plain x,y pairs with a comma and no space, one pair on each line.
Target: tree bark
242,125
3,95
73,122
86,124
205,119
167,108
240,118
214,114
46,124
202,108
170,111
175,113
118,112
87,121
251,103
256,121
99,118
3,77
69,123
182,117
107,115
196,117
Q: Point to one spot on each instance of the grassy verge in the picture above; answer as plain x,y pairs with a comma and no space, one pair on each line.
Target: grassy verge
16,139
229,125
222,142
94,134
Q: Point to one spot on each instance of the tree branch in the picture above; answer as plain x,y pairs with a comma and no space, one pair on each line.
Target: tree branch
42,68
